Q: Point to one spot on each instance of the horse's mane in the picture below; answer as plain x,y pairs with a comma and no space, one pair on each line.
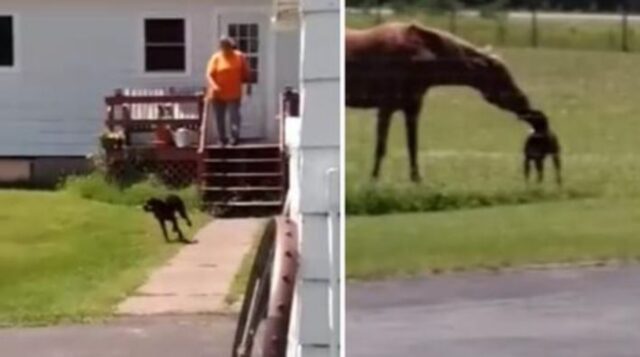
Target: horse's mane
458,44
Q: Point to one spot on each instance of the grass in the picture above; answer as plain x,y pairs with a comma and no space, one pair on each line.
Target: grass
471,149
491,238
498,31
240,280
96,187
68,259
470,158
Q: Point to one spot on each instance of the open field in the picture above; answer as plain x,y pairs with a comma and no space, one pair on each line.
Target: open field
570,32
470,158
68,259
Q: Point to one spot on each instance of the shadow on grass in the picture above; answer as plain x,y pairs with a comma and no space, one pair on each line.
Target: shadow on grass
375,200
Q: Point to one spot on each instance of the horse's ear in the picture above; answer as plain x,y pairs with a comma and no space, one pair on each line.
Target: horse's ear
412,32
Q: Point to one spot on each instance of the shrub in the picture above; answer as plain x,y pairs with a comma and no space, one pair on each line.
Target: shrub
96,186
372,200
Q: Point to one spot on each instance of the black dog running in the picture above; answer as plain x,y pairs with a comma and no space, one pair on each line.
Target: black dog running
165,210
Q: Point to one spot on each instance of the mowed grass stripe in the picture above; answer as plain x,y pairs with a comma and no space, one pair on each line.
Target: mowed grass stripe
557,232
67,259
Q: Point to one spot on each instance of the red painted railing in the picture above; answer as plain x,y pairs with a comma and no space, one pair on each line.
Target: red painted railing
137,113
267,305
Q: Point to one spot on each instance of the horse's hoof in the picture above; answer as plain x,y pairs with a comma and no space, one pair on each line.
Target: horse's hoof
415,177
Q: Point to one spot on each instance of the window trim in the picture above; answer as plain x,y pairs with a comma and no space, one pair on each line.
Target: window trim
142,66
17,48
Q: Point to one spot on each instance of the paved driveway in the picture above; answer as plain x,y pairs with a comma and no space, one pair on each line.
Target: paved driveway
559,313
192,336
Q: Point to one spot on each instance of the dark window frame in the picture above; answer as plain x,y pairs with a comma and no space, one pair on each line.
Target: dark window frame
10,61
172,42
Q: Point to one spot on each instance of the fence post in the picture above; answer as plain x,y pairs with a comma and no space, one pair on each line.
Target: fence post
534,24
501,22
453,19
378,11
625,26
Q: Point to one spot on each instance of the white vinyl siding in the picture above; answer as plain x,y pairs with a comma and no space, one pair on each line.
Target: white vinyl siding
70,54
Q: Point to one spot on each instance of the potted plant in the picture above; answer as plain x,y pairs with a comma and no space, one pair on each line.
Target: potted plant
111,141
163,137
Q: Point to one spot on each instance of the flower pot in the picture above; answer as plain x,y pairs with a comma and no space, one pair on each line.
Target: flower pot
163,137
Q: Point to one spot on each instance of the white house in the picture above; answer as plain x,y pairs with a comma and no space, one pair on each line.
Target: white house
315,184
60,58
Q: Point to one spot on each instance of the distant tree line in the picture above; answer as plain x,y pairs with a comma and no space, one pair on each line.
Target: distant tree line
559,5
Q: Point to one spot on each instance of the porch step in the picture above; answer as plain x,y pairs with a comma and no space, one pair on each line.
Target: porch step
247,204
254,151
258,165
243,194
252,146
241,160
243,181
234,209
243,189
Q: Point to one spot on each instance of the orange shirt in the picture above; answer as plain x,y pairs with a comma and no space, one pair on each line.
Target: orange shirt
229,72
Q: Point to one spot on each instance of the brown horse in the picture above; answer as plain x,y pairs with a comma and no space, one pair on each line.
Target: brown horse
392,66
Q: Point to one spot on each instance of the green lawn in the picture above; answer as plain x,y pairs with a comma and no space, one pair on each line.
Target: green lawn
496,237
241,279
470,158
68,259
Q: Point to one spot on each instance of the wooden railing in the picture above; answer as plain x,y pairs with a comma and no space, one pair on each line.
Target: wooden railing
139,115
266,309
204,126
140,110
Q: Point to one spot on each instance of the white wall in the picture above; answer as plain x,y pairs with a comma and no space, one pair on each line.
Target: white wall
315,179
74,52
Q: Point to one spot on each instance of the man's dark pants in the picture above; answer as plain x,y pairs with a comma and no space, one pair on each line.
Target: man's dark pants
221,107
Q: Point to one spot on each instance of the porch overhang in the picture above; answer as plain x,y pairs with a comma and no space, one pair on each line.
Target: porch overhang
286,14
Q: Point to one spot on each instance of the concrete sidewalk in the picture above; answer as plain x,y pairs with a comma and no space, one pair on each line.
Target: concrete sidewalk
198,278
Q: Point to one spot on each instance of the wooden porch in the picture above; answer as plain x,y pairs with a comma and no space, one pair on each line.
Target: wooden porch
164,132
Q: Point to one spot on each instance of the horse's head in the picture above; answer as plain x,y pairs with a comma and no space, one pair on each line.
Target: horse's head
496,83
538,121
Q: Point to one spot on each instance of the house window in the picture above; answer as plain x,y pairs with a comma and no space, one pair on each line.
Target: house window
165,45
7,42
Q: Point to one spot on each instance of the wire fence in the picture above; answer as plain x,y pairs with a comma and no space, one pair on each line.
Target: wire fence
517,28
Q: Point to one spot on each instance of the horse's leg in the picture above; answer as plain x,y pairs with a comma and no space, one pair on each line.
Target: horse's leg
411,112
384,120
527,169
539,162
557,164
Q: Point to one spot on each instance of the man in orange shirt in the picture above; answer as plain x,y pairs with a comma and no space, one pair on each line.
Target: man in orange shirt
226,72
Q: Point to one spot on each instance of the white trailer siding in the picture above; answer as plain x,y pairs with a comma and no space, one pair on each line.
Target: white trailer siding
315,327
71,53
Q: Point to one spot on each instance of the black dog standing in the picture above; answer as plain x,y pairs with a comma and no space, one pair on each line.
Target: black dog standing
165,211
540,144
